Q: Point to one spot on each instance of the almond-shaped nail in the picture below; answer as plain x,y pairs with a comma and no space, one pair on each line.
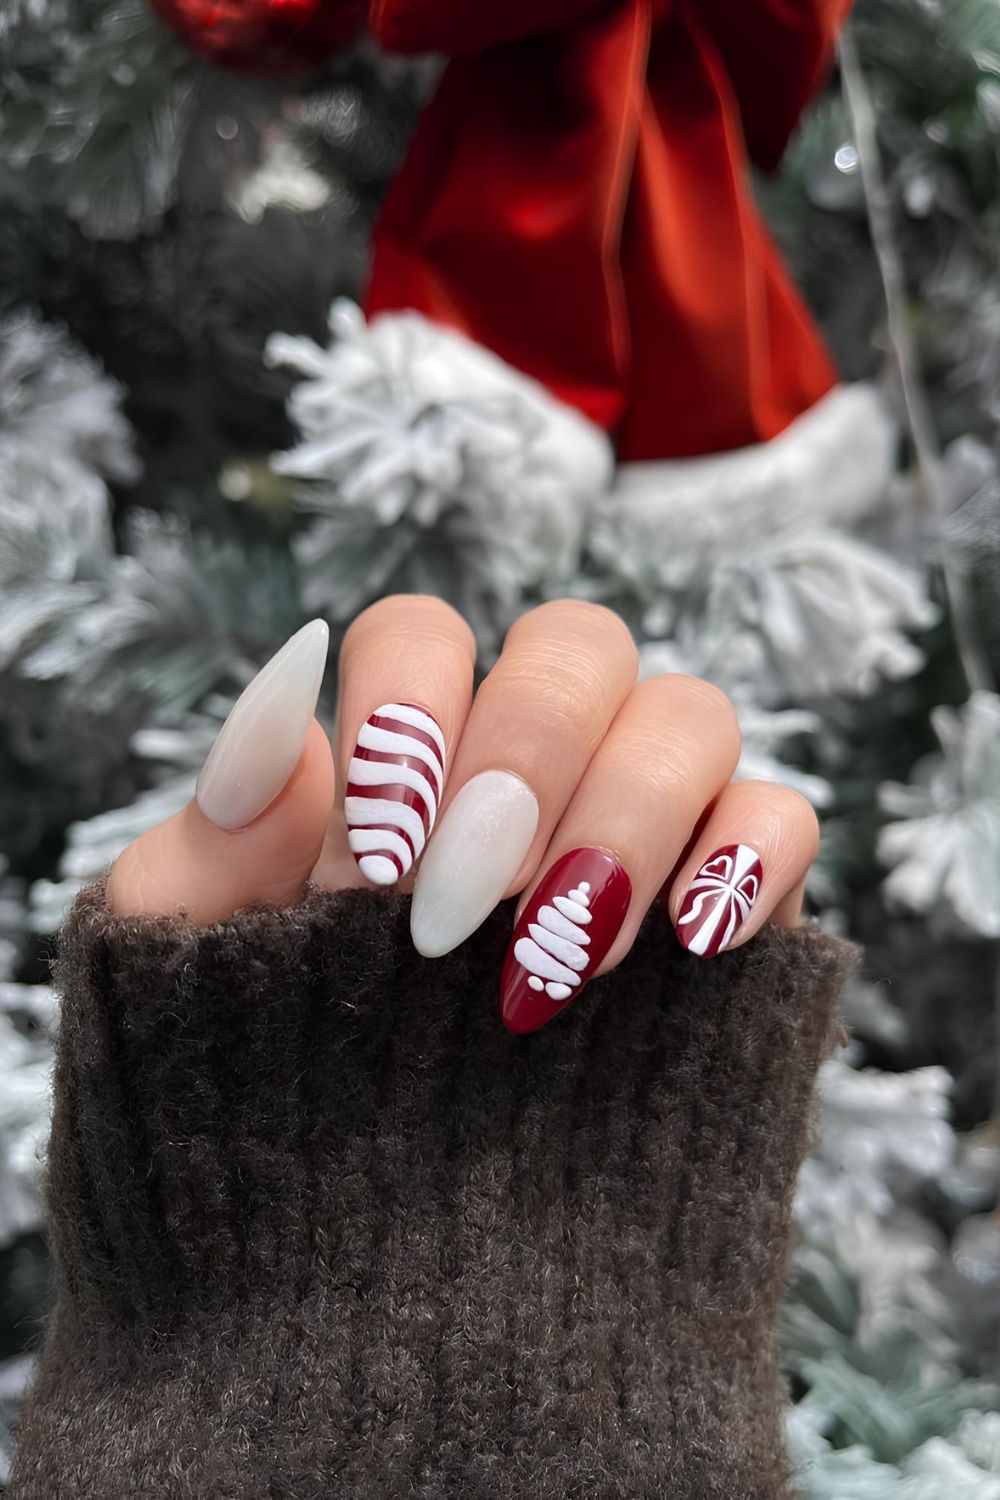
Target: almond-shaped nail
477,849
394,786
572,919
260,743
719,899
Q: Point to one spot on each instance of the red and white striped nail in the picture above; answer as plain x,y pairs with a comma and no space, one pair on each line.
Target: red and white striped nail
394,786
719,899
572,919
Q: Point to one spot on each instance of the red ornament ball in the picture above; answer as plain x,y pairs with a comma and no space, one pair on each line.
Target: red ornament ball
266,37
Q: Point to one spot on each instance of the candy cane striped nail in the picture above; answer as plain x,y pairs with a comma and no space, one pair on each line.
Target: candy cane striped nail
719,899
394,786
564,932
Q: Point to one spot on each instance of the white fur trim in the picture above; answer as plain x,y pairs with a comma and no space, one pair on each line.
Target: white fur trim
831,465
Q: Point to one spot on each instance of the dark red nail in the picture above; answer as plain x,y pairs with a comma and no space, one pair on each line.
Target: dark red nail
719,899
567,927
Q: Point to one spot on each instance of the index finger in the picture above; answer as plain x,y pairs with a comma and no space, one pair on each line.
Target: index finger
406,675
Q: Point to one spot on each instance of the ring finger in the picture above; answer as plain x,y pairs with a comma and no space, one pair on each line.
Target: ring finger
672,748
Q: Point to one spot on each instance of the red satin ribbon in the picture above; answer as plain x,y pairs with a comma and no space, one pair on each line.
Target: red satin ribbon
577,198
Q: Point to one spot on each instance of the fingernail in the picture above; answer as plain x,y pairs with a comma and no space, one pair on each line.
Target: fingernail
394,787
477,850
260,743
719,899
562,936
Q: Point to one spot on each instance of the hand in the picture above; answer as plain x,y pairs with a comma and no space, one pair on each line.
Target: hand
565,780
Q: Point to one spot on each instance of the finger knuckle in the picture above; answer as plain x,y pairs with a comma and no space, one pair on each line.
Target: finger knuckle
660,769
679,699
363,627
562,694
590,627
707,697
801,814
791,814
439,618
402,620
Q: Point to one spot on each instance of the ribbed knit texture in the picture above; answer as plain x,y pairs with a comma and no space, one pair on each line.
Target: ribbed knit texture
324,1228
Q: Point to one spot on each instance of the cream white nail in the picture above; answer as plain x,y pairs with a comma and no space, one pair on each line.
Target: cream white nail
260,743
474,854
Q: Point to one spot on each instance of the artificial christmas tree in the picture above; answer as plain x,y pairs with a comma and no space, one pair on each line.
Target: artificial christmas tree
188,229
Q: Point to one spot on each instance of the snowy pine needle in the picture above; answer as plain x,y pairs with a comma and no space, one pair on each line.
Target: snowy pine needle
944,843
430,465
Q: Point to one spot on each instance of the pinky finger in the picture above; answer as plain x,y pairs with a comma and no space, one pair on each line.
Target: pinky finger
748,865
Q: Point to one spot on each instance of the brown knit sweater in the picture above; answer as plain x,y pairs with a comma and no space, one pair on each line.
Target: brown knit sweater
323,1227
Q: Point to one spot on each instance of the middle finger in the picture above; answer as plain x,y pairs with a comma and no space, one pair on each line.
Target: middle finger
565,670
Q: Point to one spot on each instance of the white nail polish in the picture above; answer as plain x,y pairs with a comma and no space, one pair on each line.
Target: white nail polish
260,743
471,859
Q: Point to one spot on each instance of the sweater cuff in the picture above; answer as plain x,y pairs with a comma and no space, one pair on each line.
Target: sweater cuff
289,1125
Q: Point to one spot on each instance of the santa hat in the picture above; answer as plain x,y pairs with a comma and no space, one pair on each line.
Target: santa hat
570,269
576,206
577,201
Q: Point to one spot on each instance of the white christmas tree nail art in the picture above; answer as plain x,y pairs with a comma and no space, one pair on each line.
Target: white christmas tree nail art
563,936
555,952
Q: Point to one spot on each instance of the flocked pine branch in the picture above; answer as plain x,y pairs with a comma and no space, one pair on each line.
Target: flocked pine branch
871,1325
943,844
427,465
92,111
975,660
98,631
157,619
55,399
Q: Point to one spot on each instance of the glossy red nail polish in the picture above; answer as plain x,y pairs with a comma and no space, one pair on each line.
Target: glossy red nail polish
719,899
564,932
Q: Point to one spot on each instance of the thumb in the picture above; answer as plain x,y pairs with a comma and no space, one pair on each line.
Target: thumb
254,829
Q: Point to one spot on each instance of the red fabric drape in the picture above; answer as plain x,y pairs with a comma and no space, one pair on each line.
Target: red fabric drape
455,26
576,197
776,53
